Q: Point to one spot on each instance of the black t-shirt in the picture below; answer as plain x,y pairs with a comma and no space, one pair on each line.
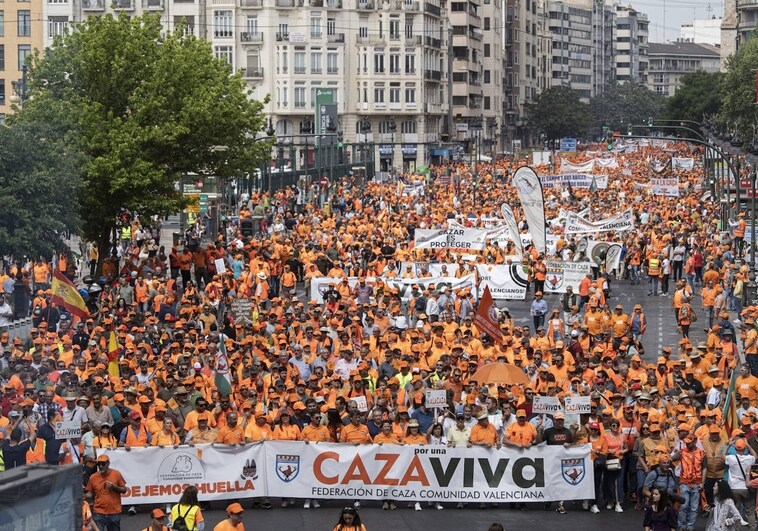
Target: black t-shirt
554,436
15,455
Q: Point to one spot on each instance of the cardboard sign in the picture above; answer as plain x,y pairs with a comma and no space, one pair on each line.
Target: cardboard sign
68,429
361,403
547,404
220,266
578,405
436,398
242,310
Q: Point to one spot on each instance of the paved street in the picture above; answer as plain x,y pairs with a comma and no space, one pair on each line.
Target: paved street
405,519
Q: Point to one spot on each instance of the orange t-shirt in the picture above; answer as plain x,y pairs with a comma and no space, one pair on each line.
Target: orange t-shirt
107,501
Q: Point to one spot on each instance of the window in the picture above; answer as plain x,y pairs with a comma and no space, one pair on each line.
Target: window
410,64
24,23
378,95
331,63
408,127
486,50
2,23
282,63
394,64
284,93
56,26
24,51
2,97
300,62
57,1
486,103
486,23
187,22
409,28
2,57
299,97
226,53
252,24
316,63
410,97
316,28
394,29
223,24
379,64
487,76
331,26
394,95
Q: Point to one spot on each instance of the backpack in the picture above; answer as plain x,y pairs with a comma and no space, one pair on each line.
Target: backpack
180,524
693,315
420,305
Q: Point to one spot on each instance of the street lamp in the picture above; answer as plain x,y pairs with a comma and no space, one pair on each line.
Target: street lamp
392,128
20,94
365,128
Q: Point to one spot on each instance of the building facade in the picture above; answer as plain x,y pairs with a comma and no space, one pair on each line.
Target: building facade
701,31
632,45
669,62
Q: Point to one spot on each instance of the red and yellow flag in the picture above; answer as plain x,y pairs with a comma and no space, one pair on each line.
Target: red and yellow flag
113,350
65,295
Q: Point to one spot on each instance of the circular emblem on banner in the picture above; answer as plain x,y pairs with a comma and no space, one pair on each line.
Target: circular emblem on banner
181,466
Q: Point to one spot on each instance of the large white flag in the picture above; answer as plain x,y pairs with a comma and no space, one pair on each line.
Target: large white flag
576,224
510,221
530,193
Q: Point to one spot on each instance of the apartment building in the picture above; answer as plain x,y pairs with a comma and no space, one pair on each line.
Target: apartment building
632,45
669,62
20,34
701,31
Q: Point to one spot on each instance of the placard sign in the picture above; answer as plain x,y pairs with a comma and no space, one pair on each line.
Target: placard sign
242,310
436,398
578,405
360,401
547,404
68,429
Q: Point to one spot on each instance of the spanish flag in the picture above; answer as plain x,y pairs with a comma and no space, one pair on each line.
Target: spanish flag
113,350
66,296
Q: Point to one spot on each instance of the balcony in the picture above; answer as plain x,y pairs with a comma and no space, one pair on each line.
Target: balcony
300,70
395,5
476,34
432,9
317,71
332,70
253,72
413,40
251,3
336,37
432,42
334,4
152,5
282,36
317,3
411,6
371,39
365,6
432,75
123,5
93,5
248,37
394,37
289,3
316,34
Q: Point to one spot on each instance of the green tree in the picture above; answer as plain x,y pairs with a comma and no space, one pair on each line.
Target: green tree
698,95
738,110
33,212
559,112
143,106
621,106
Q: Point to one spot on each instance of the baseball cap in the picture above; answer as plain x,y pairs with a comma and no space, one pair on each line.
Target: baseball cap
157,513
234,508
103,458
740,444
559,416
134,415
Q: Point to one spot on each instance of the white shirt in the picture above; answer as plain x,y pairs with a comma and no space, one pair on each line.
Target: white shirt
6,314
733,462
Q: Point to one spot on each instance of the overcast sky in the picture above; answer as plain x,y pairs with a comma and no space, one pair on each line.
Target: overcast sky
665,21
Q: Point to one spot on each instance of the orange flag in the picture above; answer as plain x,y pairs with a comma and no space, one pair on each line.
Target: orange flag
66,296
486,317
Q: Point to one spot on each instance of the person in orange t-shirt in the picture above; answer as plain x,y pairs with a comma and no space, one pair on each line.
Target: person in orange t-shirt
356,432
233,433
233,521
106,487
483,433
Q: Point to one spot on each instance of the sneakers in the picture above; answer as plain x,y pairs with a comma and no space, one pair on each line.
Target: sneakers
561,509
356,505
392,506
594,509
618,508
284,504
266,504
132,510
307,504
744,522
316,504
438,506
609,505
417,506
459,505
385,506
585,505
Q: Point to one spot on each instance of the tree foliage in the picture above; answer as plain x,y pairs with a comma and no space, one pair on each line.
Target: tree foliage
143,106
738,110
621,106
33,209
558,112
698,95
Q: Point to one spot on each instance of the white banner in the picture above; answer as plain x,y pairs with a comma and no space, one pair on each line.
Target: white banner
510,222
547,404
533,204
666,187
506,282
611,162
435,398
602,253
560,275
578,405
433,269
68,429
320,285
570,167
428,473
575,180
576,224
156,475
680,163
413,189
452,238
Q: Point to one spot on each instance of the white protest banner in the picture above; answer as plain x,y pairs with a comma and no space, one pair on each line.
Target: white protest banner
570,167
578,405
220,266
429,269
452,238
532,203
435,398
413,189
360,401
506,282
320,285
510,221
665,187
680,163
605,253
547,404
560,275
220,472
68,429
412,473
576,224
575,180
611,162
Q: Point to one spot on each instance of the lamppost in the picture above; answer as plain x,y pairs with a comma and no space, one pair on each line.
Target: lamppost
306,128
365,128
751,291
20,88
391,127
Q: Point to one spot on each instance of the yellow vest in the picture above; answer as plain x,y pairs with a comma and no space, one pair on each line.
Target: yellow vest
654,267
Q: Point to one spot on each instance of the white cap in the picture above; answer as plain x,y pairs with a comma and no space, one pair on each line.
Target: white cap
197,365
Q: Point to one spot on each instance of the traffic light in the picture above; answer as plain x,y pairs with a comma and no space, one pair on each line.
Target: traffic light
340,137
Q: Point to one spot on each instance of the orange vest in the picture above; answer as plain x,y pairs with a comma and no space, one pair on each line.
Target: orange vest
138,441
36,453
653,267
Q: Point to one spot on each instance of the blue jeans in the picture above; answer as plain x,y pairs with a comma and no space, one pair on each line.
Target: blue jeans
634,274
691,281
688,509
652,285
107,522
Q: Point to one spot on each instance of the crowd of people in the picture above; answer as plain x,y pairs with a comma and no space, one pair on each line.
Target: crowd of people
658,430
